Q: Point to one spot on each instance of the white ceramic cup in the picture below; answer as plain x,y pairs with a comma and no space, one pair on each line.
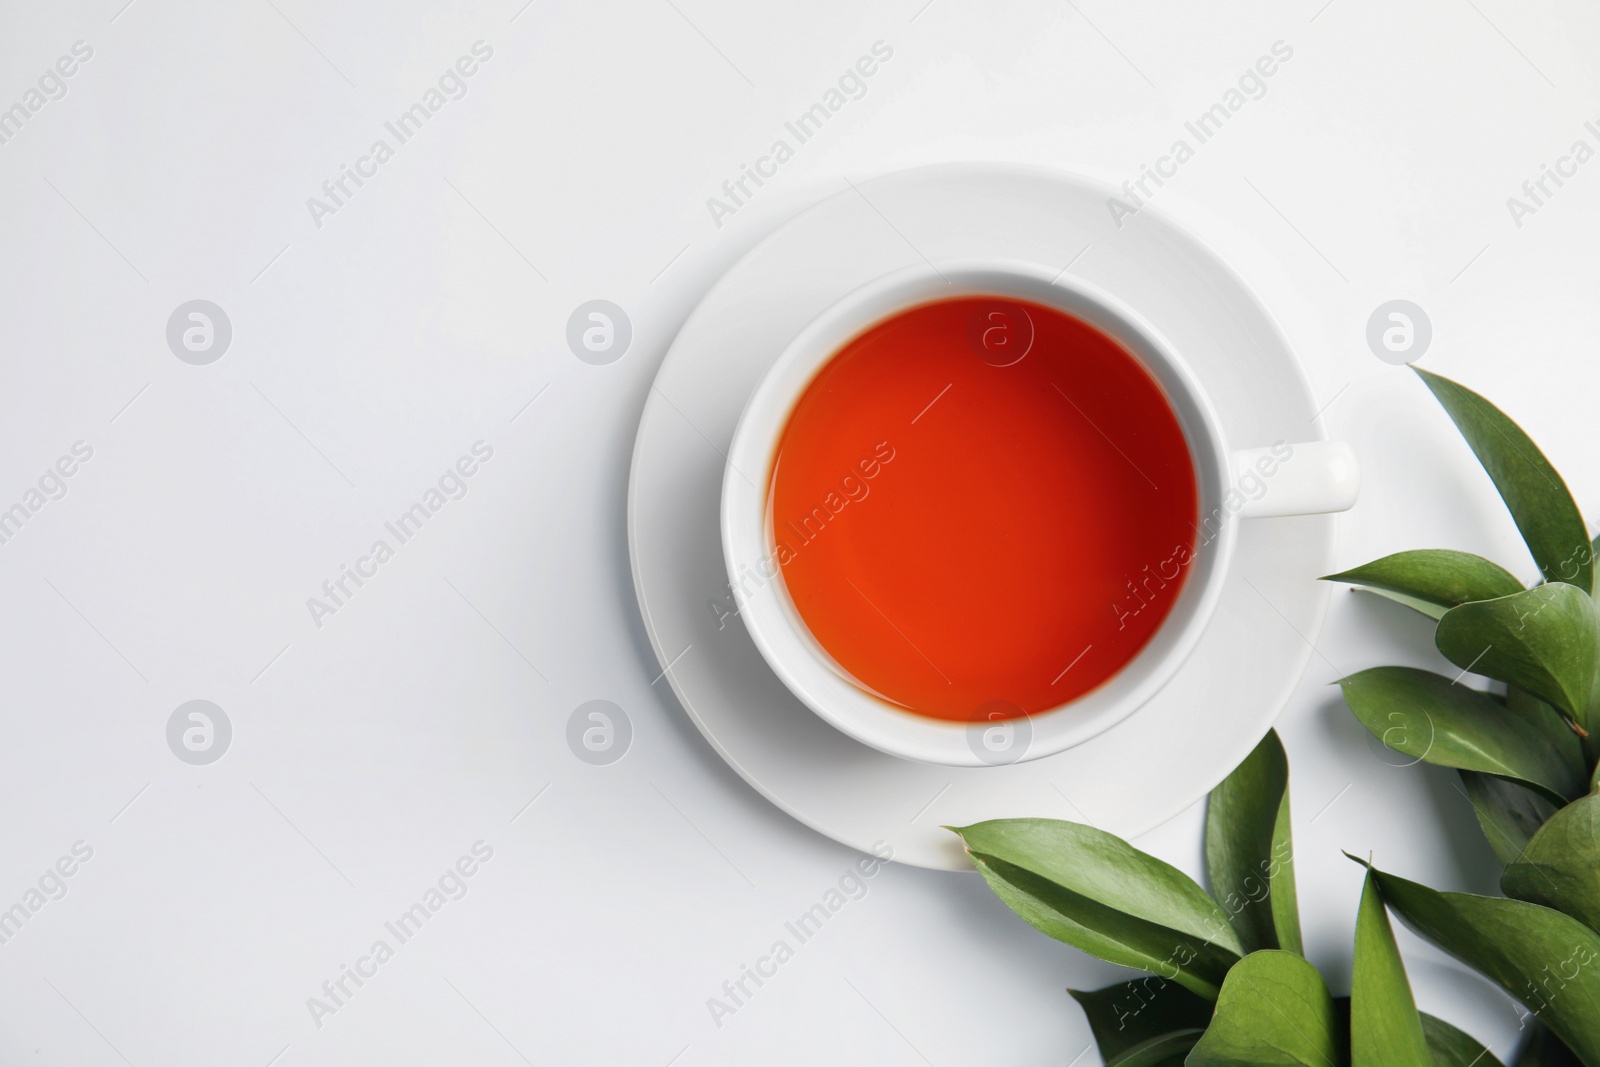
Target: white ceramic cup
1272,479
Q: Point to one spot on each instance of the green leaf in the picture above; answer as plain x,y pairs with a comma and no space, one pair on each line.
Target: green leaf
1104,931
1560,868
1095,891
1509,814
1128,1014
1548,961
1594,550
1104,868
1168,1050
1250,851
1384,1026
1591,743
1274,1010
1436,576
1544,1049
1452,1048
1430,718
1545,639
1537,498
1556,727
1385,1030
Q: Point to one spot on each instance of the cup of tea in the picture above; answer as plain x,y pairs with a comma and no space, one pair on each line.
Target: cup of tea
974,514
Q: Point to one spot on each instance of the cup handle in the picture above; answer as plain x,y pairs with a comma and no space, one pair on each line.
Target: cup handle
1309,478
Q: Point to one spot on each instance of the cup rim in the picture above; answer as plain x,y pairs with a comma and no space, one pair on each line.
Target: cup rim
755,578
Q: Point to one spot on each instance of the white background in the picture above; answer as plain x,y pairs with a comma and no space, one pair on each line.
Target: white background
372,351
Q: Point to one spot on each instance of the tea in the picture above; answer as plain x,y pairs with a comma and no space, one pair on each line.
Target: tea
983,508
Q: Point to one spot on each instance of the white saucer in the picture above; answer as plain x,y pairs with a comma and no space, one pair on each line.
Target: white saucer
1127,780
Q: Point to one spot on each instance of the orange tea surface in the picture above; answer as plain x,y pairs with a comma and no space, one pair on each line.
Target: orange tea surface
974,535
